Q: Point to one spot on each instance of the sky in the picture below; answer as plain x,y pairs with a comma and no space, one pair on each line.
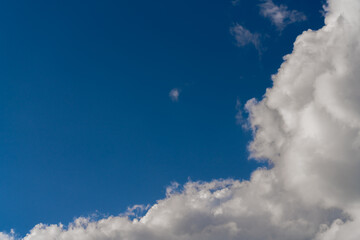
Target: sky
179,120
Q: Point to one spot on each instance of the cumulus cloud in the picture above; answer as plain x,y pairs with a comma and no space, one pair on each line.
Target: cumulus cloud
10,236
223,209
308,124
279,15
308,127
244,37
174,94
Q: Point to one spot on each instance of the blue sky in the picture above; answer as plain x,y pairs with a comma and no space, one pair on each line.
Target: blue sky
87,124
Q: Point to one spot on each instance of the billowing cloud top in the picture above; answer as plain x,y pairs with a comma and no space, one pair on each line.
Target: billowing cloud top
307,125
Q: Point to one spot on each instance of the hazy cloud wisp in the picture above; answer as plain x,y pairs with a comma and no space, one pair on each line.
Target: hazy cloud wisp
279,15
244,37
174,94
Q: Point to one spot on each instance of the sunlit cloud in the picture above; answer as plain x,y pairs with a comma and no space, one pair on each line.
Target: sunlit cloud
307,126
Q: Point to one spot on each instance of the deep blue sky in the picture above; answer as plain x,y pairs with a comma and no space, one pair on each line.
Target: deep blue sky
86,123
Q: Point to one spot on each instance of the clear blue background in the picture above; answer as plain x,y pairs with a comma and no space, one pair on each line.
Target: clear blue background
86,123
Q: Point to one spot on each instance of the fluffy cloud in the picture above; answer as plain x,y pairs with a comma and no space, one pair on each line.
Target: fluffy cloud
308,123
4,236
307,126
224,209
280,16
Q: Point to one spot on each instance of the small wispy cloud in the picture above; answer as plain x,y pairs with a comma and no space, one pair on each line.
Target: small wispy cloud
235,2
244,37
239,117
279,15
135,211
174,94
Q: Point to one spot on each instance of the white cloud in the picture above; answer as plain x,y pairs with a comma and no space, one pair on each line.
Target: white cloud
224,209
279,15
307,125
10,236
244,37
174,94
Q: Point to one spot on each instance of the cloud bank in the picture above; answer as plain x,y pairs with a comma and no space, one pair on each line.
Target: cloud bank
307,126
